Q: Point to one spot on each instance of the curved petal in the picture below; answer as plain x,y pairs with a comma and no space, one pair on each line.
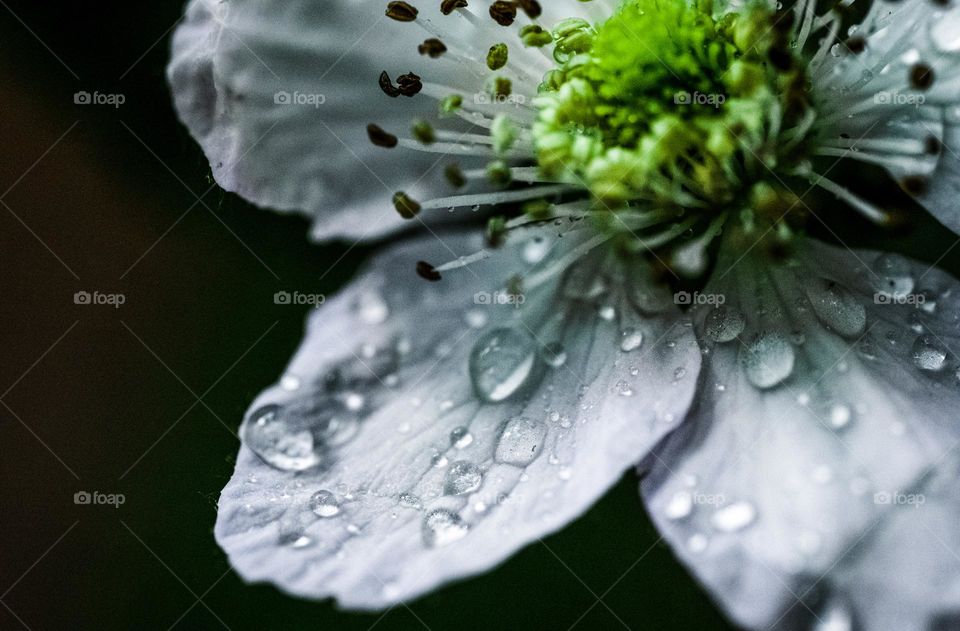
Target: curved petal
830,388
442,426
279,95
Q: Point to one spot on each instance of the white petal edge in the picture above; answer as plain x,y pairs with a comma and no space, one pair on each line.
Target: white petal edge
601,412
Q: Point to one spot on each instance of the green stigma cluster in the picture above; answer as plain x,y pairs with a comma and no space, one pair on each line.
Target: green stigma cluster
663,101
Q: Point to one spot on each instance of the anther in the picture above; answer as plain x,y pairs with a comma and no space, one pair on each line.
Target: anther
933,146
409,84
915,185
531,7
432,47
448,6
381,138
405,205
921,76
401,11
427,272
387,85
503,13
497,56
423,132
856,45
455,176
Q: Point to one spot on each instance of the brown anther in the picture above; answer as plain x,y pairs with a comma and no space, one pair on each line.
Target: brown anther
401,11
933,146
448,6
856,45
921,77
531,7
427,272
406,205
381,138
409,84
503,13
387,85
455,176
915,185
432,47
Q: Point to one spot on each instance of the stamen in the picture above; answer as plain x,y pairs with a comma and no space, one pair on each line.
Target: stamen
862,206
427,272
401,12
502,197
381,138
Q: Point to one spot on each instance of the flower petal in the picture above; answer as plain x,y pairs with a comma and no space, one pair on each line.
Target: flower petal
445,427
830,385
279,95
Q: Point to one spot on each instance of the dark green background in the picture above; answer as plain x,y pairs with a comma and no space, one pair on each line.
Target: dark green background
101,401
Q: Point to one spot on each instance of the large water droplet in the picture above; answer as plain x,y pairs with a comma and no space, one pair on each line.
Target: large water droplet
462,477
502,362
442,527
768,361
521,441
836,307
324,504
631,340
894,278
279,443
840,415
734,517
945,32
724,324
928,354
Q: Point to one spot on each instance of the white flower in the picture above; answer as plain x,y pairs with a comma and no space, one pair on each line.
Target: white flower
790,404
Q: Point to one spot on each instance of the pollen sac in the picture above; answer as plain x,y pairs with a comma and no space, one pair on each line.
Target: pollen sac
432,47
405,205
427,272
381,138
497,56
503,13
409,84
401,12
449,6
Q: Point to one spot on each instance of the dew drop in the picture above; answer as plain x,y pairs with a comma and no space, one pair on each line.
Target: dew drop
768,361
290,382
836,307
520,442
278,442
535,250
945,32
631,340
372,308
502,362
734,517
679,506
463,477
442,527
836,616
724,324
928,354
697,543
623,389
476,319
324,504
409,500
840,416
893,277
460,437
554,355
606,312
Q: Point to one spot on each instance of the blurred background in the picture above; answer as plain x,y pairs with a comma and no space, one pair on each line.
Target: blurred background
143,398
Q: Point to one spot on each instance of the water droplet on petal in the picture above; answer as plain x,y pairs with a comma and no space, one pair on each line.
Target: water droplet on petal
409,500
606,312
734,517
631,340
840,416
442,527
945,32
520,442
894,278
476,319
324,504
372,308
278,442
502,362
290,382
836,307
697,543
554,355
460,437
928,354
535,249
463,477
679,506
724,324
768,361
836,616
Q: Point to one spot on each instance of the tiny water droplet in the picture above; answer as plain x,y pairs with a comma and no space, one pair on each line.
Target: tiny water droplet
324,504
723,324
554,355
501,363
697,543
631,340
409,500
372,308
460,437
520,442
277,442
768,360
290,382
734,517
463,477
535,250
606,312
476,319
894,278
679,506
442,527
840,415
928,354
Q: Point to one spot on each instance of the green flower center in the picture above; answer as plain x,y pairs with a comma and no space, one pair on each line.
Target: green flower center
669,104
